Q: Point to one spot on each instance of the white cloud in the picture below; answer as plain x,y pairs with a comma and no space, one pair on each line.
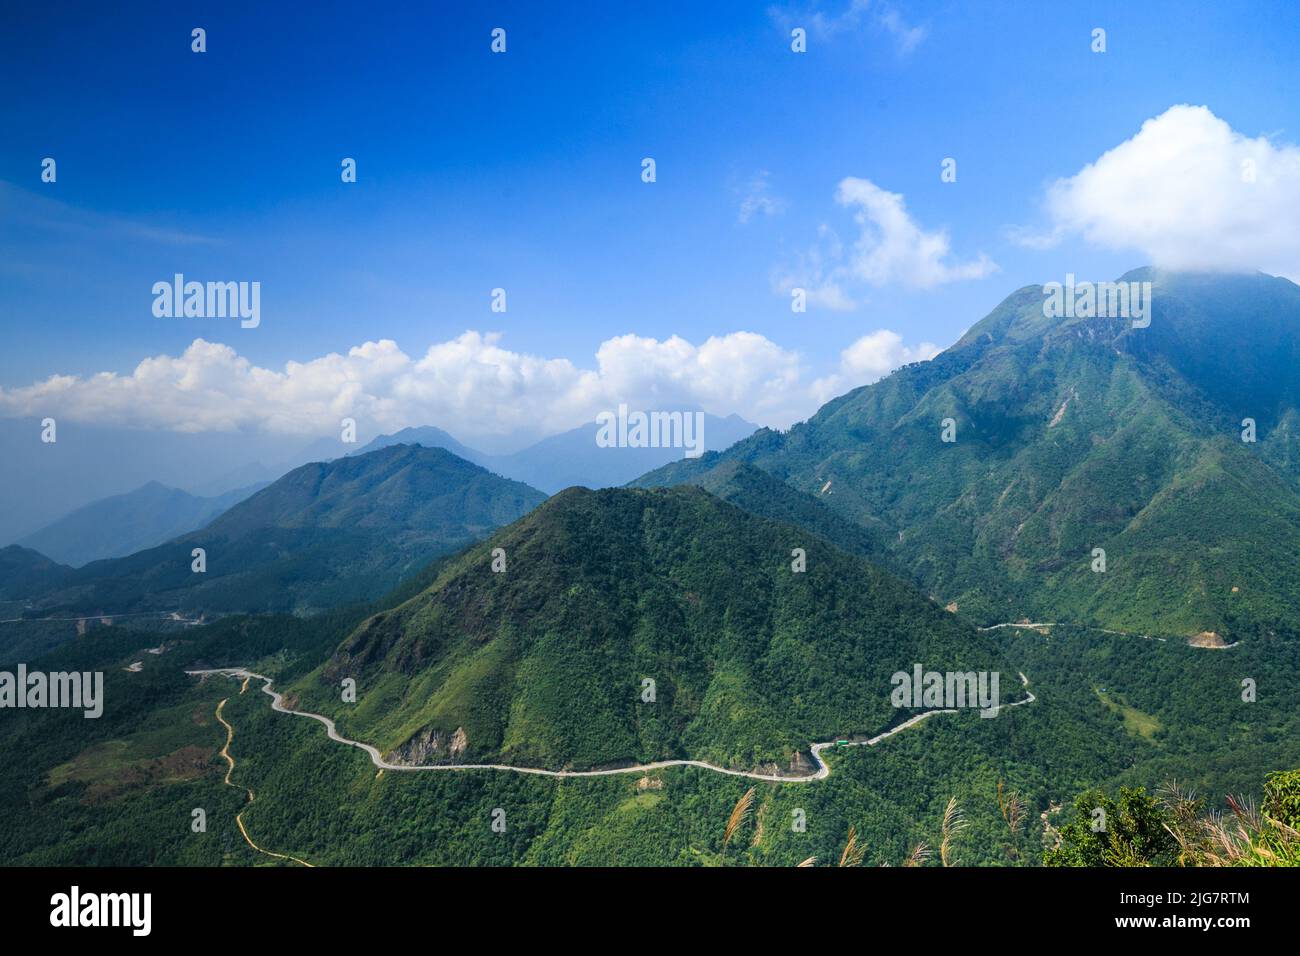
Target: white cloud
907,37
1180,192
22,207
891,249
469,385
851,17
870,359
757,199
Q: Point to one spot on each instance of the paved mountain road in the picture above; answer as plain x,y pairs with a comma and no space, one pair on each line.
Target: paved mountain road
1145,637
823,769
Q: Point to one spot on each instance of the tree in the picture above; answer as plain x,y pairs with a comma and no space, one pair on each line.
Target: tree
1129,831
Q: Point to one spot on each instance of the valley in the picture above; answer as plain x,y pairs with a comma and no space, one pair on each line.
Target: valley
325,803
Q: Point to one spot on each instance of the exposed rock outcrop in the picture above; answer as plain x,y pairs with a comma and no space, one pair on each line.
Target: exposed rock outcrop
430,745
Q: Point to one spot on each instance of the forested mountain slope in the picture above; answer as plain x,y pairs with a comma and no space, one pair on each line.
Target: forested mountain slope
325,534
545,663
1072,434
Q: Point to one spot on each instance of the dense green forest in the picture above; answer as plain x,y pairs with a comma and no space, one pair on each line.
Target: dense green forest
1112,712
544,663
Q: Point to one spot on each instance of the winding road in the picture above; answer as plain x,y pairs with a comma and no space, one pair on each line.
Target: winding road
823,768
239,817
1145,637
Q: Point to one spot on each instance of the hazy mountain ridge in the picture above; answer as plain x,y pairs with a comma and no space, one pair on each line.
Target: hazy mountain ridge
430,437
123,524
323,535
572,458
22,569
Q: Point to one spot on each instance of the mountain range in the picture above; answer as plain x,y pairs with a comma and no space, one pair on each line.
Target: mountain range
1086,470
733,609
325,534
42,483
572,458
1071,435
123,524
102,492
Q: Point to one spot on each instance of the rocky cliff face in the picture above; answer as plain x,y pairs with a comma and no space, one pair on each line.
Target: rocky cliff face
801,764
429,746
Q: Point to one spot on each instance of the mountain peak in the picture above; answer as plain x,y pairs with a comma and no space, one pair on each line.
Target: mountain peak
995,469
324,534
601,591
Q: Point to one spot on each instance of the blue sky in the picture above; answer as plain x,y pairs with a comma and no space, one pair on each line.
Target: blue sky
522,171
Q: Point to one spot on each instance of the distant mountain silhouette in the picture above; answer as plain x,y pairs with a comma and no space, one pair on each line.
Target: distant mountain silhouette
325,534
572,458
123,524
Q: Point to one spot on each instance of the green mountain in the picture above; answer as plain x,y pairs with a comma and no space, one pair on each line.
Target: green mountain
545,663
123,524
429,437
757,492
325,534
22,569
1073,434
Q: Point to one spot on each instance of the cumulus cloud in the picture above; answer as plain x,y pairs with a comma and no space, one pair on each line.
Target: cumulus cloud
1189,192
870,359
891,249
470,385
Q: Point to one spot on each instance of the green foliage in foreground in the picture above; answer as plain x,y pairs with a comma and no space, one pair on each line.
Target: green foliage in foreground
1142,830
1128,831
